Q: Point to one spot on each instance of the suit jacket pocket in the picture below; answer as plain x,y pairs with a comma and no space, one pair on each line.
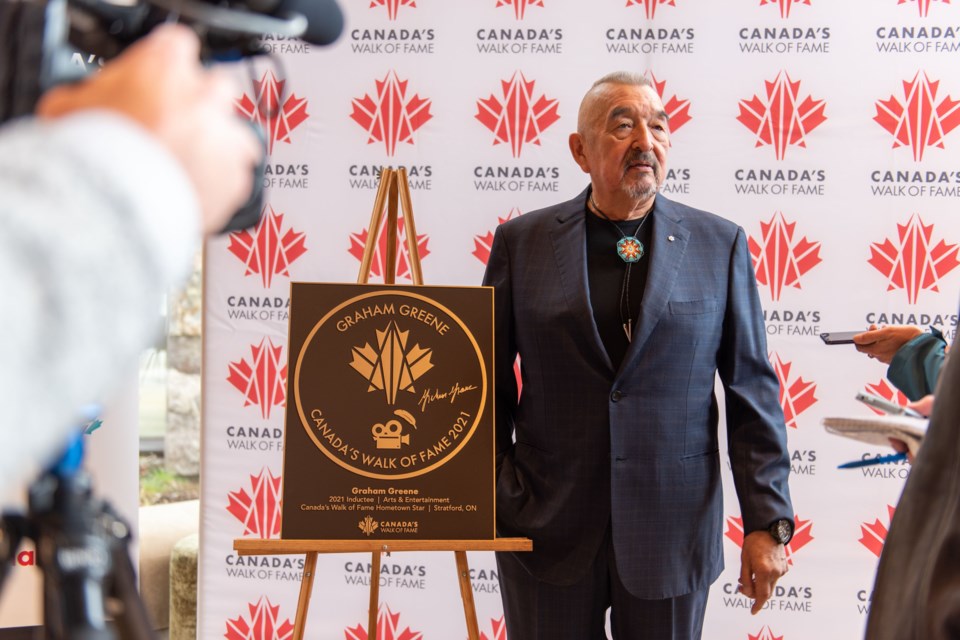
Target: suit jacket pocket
701,468
694,307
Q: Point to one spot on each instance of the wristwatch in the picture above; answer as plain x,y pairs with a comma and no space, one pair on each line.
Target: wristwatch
781,530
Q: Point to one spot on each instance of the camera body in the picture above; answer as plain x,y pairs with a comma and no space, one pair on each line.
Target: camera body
41,39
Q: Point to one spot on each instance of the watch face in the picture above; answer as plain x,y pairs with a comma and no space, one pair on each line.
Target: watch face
781,530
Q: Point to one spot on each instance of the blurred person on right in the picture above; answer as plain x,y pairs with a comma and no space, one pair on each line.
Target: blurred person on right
108,191
916,595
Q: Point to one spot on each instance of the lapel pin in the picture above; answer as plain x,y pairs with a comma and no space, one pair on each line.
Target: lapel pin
670,238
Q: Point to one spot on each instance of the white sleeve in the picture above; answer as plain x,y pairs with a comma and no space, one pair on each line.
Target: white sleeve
97,220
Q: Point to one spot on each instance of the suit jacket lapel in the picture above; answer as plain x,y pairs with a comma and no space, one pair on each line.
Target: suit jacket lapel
669,239
569,237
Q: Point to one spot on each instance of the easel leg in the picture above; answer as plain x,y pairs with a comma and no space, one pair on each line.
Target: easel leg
466,592
374,597
306,587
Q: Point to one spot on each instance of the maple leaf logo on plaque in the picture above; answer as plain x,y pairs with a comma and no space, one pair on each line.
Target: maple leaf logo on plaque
919,121
267,249
785,5
678,110
778,260
875,535
765,634
391,117
887,392
519,118
392,366
912,262
482,244
261,623
259,510
922,5
796,396
801,535
378,264
277,120
781,118
388,628
498,630
263,380
393,6
650,6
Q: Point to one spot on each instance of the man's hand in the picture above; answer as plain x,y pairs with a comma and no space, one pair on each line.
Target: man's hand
159,83
762,562
882,343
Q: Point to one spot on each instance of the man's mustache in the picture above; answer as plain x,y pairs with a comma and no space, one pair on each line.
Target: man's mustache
642,157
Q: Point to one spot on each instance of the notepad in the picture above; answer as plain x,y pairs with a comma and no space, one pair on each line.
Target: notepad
879,429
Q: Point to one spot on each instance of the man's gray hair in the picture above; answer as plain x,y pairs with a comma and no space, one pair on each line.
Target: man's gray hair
624,77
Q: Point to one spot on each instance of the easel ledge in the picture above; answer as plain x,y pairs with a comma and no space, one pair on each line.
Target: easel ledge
250,547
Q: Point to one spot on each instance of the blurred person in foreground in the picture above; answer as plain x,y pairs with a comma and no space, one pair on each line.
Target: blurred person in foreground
916,595
624,308
107,193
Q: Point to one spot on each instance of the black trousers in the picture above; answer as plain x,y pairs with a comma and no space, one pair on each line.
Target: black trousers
537,610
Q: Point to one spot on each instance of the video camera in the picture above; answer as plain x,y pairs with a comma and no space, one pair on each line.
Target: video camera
40,41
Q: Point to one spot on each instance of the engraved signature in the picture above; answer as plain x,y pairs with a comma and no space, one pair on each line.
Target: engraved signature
433,395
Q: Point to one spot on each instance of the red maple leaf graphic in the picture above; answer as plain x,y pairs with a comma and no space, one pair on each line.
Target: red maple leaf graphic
267,249
777,259
795,397
393,6
888,392
499,630
519,119
378,266
801,534
913,264
520,6
785,5
390,117
388,625
264,109
483,243
765,634
922,5
262,382
782,119
874,535
651,5
262,623
919,121
259,513
678,111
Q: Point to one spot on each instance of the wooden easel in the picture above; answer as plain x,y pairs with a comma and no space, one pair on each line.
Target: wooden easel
393,188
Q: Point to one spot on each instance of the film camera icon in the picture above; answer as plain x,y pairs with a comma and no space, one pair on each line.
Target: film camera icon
389,436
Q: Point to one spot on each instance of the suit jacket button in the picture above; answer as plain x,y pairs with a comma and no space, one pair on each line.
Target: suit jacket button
616,395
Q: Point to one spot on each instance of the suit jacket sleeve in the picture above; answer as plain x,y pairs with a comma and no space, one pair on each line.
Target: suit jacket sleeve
756,433
505,350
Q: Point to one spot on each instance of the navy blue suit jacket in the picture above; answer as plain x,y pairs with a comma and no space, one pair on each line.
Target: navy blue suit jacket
635,447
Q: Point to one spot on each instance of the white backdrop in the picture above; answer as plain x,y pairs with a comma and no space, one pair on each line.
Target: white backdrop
824,128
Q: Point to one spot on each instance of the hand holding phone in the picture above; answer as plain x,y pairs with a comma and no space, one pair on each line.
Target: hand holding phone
888,407
839,337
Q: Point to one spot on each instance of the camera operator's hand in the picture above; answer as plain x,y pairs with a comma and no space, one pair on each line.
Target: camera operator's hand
160,83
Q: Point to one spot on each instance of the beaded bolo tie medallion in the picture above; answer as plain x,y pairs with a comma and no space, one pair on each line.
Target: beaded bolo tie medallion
630,250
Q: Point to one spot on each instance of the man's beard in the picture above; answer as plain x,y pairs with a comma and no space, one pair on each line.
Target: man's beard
639,191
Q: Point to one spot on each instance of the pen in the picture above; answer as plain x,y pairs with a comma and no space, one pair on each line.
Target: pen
866,462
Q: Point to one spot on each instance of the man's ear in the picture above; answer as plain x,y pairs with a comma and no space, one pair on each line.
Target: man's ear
576,150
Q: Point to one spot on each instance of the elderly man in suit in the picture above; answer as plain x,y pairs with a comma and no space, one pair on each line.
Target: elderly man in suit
623,307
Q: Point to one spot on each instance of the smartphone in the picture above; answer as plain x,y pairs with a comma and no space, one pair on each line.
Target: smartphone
888,407
839,337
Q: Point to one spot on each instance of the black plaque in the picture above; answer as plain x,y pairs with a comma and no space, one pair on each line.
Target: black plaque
389,421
